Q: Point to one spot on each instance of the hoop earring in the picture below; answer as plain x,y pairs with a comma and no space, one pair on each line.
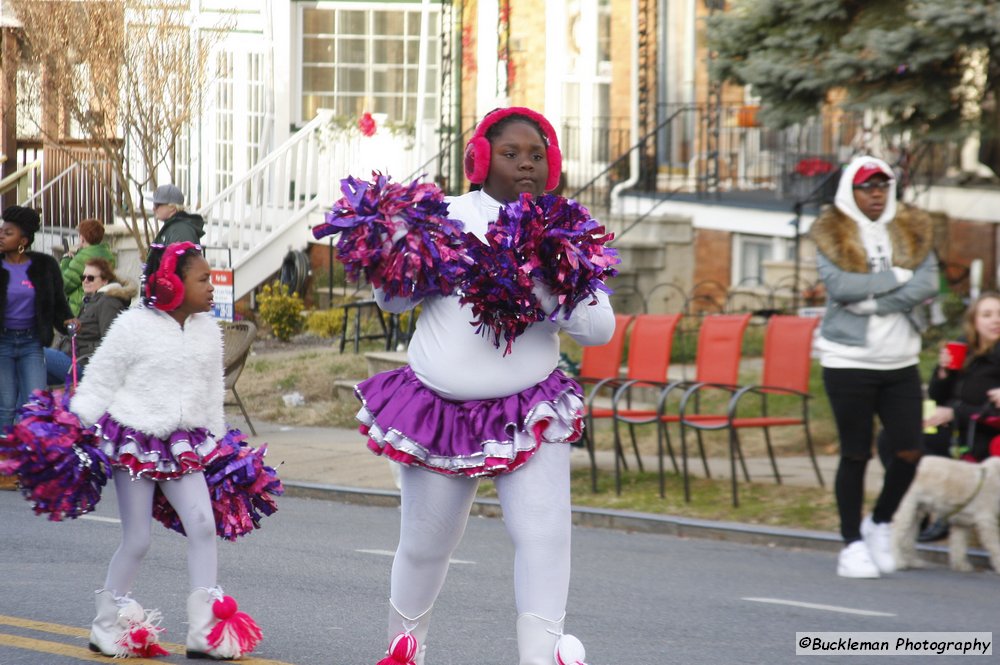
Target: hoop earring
20,249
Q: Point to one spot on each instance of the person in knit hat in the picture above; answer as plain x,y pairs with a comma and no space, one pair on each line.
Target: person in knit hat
876,259
178,224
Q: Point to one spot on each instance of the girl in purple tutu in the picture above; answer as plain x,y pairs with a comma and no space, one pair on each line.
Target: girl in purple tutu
465,409
154,391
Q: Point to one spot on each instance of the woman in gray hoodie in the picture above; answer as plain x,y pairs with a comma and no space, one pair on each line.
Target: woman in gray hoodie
876,261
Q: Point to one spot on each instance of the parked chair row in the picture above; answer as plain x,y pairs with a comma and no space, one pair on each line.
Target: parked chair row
787,360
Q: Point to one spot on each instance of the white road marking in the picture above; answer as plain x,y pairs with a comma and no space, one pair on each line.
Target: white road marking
391,553
98,518
817,606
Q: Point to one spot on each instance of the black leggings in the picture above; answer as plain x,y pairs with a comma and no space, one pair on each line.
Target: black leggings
856,397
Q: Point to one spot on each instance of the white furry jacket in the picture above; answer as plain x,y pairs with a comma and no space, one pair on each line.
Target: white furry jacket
152,375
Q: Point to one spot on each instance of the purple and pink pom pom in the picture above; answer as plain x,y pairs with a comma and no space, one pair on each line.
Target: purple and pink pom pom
58,461
496,286
398,237
241,486
551,241
566,250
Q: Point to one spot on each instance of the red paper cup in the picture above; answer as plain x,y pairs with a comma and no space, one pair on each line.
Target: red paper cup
957,350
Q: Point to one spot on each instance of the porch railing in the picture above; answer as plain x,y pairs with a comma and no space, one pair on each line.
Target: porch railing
265,213
757,166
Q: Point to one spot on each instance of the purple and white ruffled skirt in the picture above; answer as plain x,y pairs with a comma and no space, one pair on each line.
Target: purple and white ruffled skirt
148,456
411,424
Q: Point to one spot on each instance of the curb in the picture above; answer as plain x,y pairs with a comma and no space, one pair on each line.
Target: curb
631,521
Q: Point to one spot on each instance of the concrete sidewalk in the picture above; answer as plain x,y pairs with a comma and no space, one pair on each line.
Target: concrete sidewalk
337,456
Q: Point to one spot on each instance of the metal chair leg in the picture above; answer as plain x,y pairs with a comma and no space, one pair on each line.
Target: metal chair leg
246,417
659,459
739,453
343,332
734,449
635,446
619,448
684,464
357,330
670,447
701,451
620,463
812,455
770,453
588,433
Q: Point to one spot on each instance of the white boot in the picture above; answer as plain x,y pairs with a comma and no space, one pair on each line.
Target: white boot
542,642
406,638
216,629
122,629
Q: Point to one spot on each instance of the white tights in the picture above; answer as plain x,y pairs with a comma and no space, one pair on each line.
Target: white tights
189,497
536,508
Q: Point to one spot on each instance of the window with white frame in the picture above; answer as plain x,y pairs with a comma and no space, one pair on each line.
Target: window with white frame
238,126
224,121
366,57
751,252
586,82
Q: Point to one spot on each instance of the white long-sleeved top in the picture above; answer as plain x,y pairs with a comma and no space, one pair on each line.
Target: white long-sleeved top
151,374
450,358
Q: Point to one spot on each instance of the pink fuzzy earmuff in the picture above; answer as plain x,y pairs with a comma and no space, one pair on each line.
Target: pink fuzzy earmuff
478,149
164,288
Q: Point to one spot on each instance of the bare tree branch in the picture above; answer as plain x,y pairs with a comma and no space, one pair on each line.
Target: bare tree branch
128,76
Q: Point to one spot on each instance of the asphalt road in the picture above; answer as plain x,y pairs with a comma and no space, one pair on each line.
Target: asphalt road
316,579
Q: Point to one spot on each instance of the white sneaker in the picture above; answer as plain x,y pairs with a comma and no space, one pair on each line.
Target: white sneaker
878,538
855,561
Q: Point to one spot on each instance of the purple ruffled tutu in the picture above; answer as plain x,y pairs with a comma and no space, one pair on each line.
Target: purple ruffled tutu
411,424
148,456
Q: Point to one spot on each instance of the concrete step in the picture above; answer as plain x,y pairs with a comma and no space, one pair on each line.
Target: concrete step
381,361
343,389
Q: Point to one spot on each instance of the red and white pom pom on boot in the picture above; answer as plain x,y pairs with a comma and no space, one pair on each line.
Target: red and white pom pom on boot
542,642
122,629
570,651
402,651
406,642
217,629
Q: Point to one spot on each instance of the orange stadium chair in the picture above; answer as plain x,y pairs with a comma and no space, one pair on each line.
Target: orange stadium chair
600,367
787,362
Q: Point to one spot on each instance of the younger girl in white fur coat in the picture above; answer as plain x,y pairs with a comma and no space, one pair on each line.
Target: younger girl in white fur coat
154,388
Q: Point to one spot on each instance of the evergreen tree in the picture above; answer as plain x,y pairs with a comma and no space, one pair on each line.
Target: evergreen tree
913,60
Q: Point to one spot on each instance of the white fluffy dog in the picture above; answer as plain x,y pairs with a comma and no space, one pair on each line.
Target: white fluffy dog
967,494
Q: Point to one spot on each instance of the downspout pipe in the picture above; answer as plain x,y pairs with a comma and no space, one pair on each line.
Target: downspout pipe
616,204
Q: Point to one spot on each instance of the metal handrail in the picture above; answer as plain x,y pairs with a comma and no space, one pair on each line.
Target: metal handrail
641,142
65,173
10,182
322,116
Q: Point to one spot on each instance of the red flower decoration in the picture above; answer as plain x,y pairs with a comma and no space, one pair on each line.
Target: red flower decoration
813,166
366,123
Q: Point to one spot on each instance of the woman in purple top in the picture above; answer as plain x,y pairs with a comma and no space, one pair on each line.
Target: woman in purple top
32,303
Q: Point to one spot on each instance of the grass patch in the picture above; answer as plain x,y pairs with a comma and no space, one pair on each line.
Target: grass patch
309,371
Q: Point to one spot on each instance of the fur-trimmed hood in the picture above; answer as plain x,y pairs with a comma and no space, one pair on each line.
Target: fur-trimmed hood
124,292
838,237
